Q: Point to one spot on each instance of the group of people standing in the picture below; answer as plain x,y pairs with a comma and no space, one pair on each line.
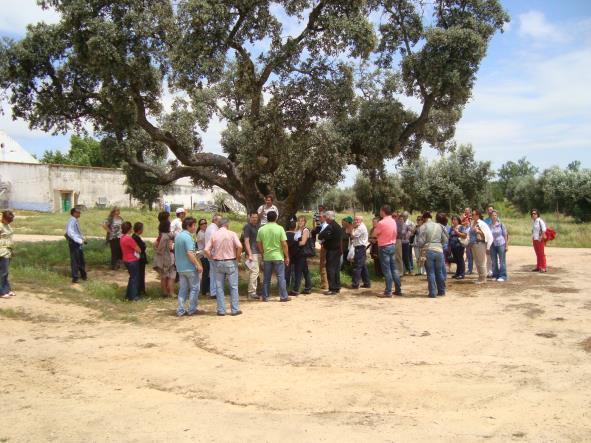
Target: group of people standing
202,257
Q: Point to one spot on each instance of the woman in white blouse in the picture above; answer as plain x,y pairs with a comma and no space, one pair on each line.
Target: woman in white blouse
538,234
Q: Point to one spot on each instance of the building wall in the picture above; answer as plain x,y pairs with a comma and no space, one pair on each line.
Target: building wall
40,187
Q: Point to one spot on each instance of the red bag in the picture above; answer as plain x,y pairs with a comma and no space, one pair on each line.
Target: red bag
550,234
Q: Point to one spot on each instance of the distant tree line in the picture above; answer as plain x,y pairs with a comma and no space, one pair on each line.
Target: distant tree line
457,180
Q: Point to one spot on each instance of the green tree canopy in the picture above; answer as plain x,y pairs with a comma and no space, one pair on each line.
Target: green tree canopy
84,151
299,106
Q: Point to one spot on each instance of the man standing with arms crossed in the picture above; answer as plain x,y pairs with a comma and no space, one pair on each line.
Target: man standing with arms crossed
272,243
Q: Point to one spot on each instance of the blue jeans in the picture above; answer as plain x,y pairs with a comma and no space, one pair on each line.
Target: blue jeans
212,278
470,258
360,271
77,263
279,267
188,285
223,269
498,257
388,262
4,284
133,284
434,266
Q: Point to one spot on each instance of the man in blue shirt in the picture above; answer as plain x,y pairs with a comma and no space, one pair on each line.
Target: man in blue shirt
188,267
75,242
488,220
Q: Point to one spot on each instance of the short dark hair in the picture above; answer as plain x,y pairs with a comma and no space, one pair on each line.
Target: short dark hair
74,210
291,224
441,218
8,216
477,212
426,214
251,213
271,216
456,217
387,209
269,196
534,210
138,226
126,227
164,215
188,222
164,226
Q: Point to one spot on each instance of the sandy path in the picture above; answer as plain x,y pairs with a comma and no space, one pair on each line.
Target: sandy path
495,363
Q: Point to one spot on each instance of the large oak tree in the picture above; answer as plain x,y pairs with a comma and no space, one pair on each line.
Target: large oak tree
299,104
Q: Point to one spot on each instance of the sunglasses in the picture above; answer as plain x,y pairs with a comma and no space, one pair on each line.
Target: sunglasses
204,223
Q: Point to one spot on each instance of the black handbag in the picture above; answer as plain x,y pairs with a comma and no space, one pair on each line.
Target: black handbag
309,249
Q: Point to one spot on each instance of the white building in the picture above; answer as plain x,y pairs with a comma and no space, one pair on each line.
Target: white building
27,184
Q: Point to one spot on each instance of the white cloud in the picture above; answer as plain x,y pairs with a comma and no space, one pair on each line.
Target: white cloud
534,24
17,14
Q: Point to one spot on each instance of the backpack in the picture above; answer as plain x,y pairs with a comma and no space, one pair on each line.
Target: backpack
309,249
550,234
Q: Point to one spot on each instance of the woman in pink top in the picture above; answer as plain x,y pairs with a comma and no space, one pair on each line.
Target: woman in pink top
131,258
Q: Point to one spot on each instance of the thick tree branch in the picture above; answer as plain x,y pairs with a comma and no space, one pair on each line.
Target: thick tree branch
418,124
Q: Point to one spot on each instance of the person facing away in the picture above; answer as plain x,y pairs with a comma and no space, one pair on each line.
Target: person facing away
164,258
6,247
209,231
272,243
188,267
302,236
264,210
138,230
386,232
331,238
224,248
432,238
75,242
322,224
253,255
130,252
200,240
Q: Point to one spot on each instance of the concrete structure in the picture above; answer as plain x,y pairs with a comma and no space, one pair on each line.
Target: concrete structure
56,188
11,151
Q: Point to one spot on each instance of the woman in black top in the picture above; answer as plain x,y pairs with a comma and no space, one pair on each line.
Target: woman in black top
292,248
138,230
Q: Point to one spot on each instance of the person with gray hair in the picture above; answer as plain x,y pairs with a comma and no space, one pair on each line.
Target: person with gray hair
331,237
224,249
212,229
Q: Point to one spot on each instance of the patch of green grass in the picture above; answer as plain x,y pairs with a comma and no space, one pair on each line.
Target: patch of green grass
21,314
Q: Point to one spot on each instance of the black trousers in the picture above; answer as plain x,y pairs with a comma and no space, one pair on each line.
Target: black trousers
360,271
407,257
458,254
116,254
77,263
333,269
301,268
205,276
141,285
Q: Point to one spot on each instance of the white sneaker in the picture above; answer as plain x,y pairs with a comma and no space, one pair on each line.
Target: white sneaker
500,279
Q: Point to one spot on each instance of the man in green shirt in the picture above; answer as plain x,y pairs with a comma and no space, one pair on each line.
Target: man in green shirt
272,244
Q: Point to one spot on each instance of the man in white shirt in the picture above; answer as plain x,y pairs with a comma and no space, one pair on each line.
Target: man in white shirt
75,242
176,226
360,240
212,228
265,209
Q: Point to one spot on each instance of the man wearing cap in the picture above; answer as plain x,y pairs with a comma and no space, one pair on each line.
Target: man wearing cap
75,241
224,248
176,226
331,237
360,240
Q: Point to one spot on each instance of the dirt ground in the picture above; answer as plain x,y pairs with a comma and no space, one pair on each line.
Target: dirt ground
498,362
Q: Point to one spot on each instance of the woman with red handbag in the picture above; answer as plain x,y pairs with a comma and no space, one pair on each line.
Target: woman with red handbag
539,240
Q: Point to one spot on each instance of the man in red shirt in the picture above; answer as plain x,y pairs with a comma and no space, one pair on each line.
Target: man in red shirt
386,231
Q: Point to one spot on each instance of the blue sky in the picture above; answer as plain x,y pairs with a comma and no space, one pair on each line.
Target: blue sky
532,97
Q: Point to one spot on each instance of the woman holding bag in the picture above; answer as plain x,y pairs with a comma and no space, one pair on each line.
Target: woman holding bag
306,249
458,235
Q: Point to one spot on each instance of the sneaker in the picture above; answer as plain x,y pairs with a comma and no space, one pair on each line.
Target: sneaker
4,296
234,314
221,314
500,279
307,292
283,300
